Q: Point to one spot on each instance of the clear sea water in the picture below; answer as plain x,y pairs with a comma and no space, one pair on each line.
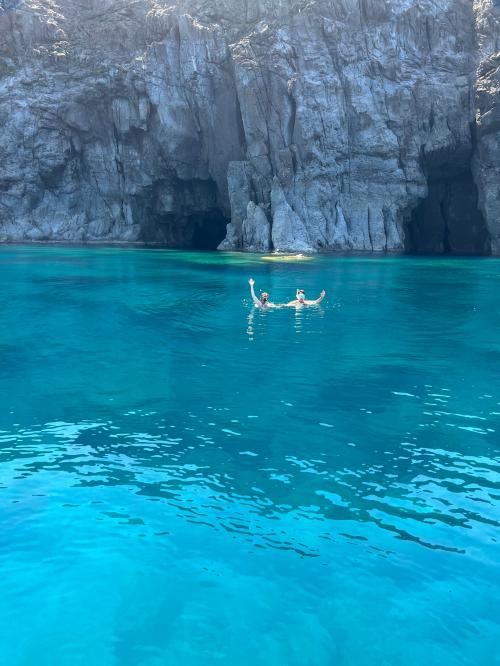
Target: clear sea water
187,481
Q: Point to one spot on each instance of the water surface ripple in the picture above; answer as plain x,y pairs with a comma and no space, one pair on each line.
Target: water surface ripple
186,480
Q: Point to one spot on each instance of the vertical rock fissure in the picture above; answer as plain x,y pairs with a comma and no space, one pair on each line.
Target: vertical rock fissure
239,116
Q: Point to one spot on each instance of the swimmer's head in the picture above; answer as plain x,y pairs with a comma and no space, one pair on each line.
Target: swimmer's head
300,295
264,297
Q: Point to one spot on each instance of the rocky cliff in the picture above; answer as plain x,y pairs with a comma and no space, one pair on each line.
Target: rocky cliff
300,124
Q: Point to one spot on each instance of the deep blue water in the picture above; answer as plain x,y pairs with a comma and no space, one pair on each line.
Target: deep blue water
187,481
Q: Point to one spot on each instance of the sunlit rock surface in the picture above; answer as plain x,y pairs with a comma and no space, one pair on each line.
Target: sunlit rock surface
308,126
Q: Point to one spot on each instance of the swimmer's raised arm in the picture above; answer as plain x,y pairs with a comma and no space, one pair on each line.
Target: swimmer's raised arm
251,282
318,300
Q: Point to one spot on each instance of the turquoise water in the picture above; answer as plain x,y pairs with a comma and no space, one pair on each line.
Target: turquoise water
184,480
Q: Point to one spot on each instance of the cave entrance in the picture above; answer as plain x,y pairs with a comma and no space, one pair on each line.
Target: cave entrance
448,220
208,230
203,230
183,214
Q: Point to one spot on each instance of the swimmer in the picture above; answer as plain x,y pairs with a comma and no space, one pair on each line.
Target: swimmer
300,299
263,301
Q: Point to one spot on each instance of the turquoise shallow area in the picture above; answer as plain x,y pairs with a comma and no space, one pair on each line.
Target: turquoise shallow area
186,481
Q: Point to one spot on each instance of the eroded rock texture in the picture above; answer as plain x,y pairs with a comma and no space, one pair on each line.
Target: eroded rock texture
304,124
486,162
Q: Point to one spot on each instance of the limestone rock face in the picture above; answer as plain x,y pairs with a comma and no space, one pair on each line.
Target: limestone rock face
486,161
301,125
256,229
289,232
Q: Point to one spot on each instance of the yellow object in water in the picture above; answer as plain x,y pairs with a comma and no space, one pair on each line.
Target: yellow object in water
287,257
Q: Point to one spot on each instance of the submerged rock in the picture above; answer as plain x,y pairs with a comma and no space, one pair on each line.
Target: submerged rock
288,125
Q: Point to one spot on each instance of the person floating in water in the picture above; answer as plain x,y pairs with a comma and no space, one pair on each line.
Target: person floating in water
300,299
263,301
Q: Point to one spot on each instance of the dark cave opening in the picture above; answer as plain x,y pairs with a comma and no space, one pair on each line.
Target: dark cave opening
209,230
203,230
448,220
181,214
